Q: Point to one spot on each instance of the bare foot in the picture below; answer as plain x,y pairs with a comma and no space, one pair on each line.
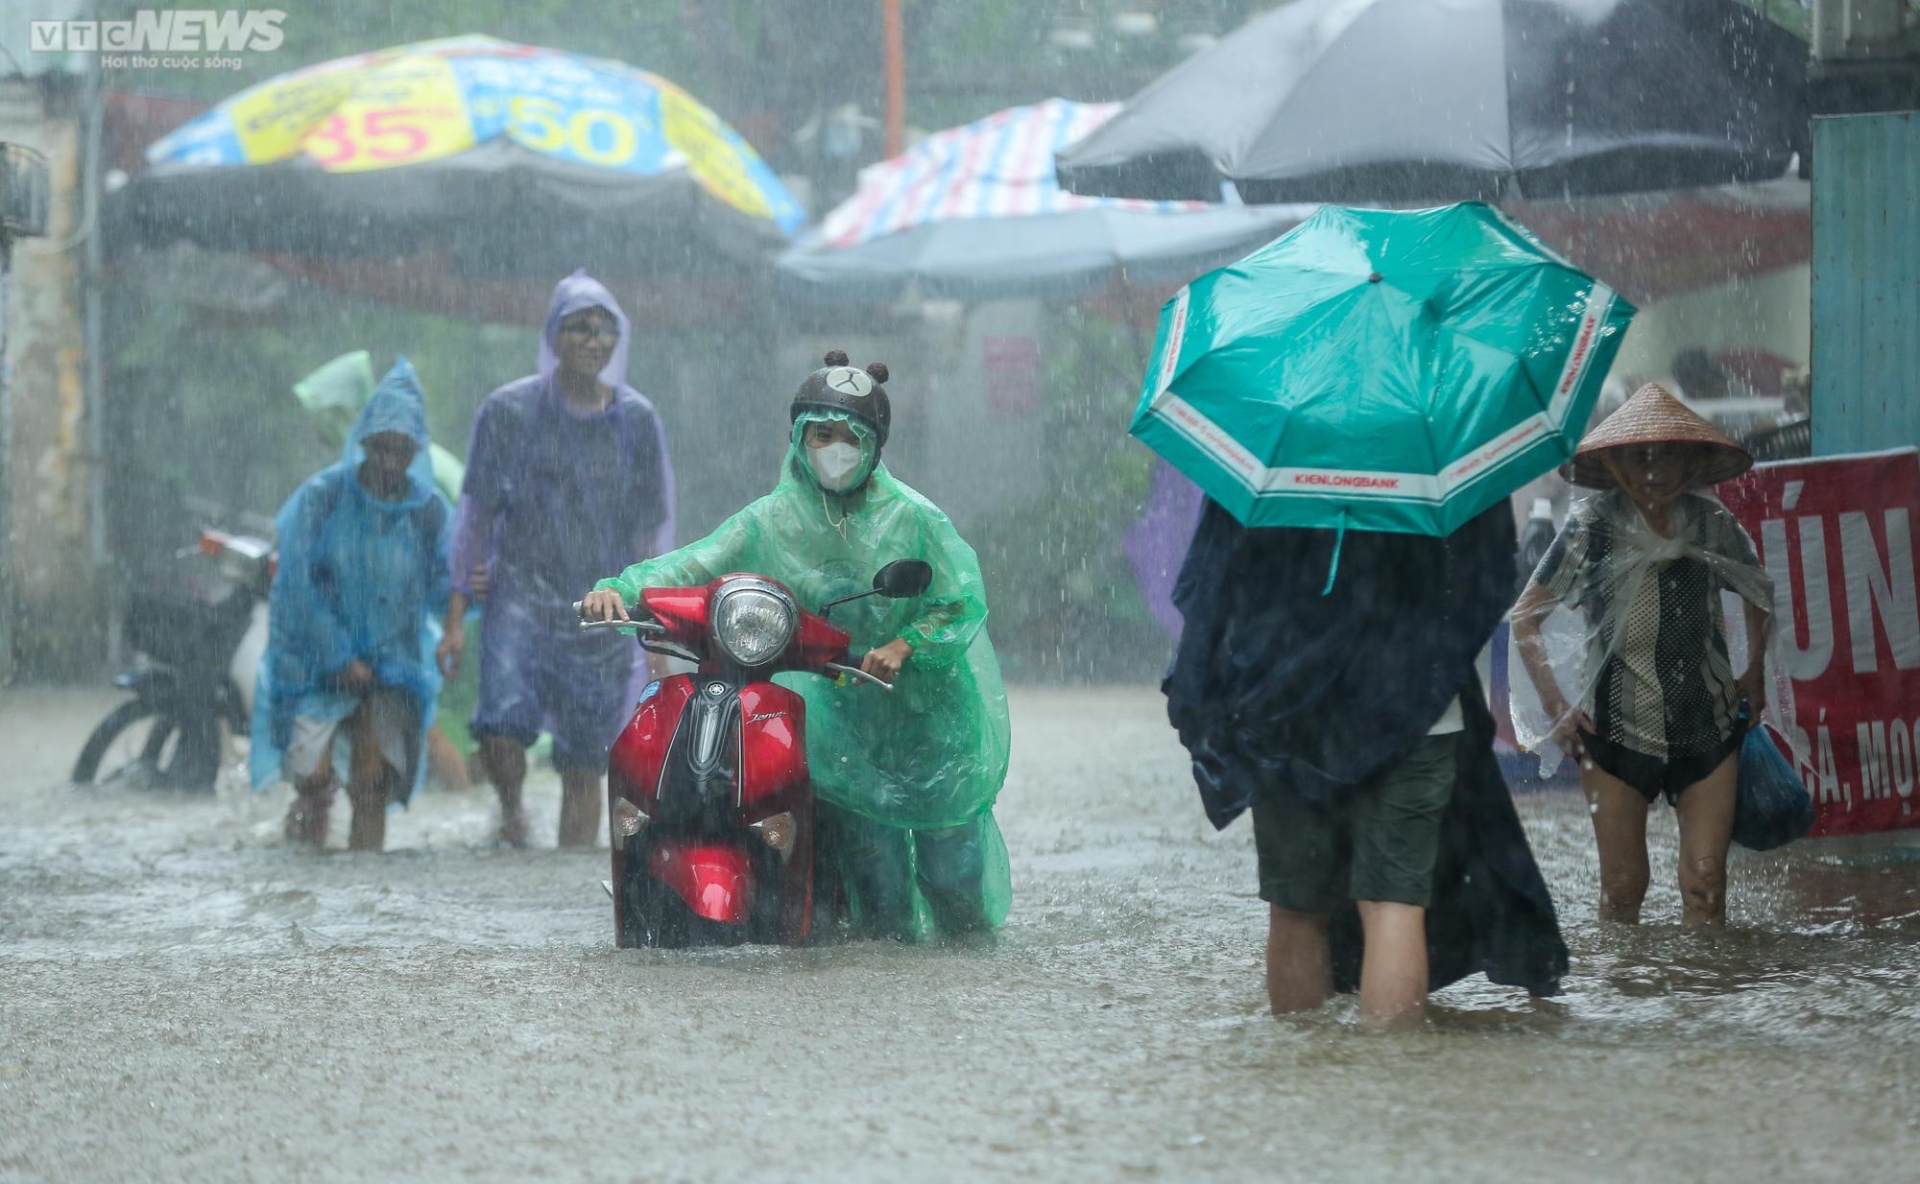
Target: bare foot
307,818
514,829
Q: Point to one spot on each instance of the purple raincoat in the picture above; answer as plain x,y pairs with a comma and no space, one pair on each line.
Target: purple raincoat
552,501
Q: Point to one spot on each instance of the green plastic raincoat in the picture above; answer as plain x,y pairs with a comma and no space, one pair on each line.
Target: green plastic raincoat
929,756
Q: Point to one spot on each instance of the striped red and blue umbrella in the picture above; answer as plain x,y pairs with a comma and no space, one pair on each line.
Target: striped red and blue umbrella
975,212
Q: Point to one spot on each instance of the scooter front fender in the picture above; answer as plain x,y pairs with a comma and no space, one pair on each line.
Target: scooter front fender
715,879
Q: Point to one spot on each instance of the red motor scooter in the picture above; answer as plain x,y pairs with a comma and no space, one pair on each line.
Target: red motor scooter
710,802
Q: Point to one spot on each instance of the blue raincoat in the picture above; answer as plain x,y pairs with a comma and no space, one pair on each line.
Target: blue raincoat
359,577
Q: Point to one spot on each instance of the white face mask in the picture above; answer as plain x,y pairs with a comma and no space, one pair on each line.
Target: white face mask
835,465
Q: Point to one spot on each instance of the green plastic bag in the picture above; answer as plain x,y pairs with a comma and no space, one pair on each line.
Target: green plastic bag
932,754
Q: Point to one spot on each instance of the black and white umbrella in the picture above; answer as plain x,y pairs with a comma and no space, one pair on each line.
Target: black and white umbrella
1450,100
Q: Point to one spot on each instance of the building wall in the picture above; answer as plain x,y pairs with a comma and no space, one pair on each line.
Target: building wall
982,439
1866,285
1770,312
51,552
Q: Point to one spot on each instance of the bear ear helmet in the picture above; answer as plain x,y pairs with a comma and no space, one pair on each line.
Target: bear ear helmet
839,389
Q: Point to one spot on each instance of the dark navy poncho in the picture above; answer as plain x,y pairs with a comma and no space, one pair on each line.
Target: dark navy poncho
1275,681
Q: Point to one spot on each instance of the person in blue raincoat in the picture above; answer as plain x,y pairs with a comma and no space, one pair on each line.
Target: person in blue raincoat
364,549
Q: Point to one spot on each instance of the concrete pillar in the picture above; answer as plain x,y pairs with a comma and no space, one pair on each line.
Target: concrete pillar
55,580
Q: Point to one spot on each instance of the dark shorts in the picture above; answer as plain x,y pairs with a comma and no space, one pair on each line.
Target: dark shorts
1654,776
542,673
1378,841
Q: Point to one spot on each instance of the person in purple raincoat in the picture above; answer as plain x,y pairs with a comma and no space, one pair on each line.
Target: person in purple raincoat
567,479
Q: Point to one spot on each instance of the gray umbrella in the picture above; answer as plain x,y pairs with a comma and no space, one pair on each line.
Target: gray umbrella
1446,100
1048,256
974,213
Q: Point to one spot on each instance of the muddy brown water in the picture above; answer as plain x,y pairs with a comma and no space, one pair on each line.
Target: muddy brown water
181,998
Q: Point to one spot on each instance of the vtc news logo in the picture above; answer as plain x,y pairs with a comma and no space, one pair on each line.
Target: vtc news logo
164,31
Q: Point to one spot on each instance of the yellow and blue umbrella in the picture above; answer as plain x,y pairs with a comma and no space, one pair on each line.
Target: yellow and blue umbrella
506,154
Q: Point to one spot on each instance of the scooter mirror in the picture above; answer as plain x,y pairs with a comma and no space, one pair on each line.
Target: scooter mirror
903,578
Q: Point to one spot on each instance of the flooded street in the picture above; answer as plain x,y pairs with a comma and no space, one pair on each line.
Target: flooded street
181,998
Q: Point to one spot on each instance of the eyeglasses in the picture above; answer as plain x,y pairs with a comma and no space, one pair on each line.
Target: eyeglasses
600,330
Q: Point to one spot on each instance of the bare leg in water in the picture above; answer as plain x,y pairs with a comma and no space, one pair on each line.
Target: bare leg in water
1706,828
581,792
506,762
1393,969
1620,828
1299,967
369,784
307,818
580,795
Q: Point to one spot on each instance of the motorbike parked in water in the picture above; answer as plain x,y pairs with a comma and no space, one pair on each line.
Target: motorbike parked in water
202,638
711,804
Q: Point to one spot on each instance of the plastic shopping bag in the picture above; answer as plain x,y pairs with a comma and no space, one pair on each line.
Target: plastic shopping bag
1771,806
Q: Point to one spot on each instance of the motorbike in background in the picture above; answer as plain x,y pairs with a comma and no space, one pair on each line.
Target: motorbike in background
201,637
711,802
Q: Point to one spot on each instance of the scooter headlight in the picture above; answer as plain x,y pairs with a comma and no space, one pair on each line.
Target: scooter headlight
753,621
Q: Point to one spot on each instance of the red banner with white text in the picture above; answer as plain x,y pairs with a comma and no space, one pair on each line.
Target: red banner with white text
1837,535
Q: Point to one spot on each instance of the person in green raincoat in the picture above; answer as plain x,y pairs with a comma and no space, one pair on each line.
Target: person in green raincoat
905,782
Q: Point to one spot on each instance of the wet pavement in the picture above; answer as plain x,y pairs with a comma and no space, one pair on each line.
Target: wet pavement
182,998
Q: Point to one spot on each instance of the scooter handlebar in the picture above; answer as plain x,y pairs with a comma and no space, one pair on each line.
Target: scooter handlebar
648,627
856,672
654,628
640,625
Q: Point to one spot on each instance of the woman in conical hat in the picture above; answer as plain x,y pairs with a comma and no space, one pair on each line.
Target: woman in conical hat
1657,708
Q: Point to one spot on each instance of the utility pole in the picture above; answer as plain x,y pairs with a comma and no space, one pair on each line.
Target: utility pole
894,34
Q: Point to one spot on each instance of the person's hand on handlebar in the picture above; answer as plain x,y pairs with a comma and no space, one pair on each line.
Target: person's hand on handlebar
885,663
604,604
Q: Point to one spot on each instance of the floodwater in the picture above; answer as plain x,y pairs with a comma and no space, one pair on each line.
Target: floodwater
180,998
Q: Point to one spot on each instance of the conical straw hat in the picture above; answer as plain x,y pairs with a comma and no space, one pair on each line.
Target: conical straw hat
1654,416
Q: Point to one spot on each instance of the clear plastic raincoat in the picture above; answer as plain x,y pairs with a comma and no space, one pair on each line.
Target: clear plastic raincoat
1590,605
359,577
933,753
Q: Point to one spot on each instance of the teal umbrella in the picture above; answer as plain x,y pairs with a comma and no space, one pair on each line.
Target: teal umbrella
1398,370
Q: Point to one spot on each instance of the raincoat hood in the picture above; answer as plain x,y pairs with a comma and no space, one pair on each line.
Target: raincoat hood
334,395
799,469
577,292
397,405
